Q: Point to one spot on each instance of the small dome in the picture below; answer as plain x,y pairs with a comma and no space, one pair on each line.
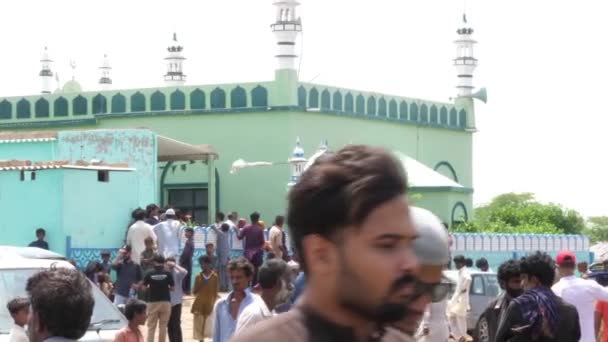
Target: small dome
71,87
298,151
174,45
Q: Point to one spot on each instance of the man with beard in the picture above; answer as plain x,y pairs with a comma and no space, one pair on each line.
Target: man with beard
349,219
61,306
432,252
510,281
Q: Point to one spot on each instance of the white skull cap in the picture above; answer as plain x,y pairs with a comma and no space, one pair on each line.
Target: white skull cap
431,246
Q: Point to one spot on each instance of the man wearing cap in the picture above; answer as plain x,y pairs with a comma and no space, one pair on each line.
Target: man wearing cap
582,293
167,233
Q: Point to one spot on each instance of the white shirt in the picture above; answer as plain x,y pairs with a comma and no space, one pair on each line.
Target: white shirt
136,236
459,304
256,312
167,233
436,320
582,293
17,334
275,235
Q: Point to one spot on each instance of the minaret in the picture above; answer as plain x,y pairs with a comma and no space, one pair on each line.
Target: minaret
286,29
105,81
46,74
297,162
175,60
465,61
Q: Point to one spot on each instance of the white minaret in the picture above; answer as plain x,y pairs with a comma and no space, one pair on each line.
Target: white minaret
175,64
46,75
286,29
105,81
297,162
465,61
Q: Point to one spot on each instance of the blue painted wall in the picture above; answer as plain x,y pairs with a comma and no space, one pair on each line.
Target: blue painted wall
34,151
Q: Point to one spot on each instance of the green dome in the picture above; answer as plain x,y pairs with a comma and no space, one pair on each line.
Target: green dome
71,87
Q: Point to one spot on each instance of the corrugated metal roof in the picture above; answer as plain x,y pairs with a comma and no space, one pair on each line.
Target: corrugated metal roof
29,167
30,136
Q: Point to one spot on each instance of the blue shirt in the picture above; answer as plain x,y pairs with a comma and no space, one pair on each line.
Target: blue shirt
224,325
178,292
298,287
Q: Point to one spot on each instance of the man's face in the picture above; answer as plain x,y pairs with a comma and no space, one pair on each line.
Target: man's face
22,316
210,249
239,280
105,258
154,212
459,265
514,287
140,318
428,276
376,259
205,266
582,268
40,236
188,234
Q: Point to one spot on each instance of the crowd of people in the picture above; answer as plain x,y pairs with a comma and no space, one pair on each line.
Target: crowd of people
370,267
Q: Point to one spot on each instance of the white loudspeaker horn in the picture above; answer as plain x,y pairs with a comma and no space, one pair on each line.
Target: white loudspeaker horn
481,95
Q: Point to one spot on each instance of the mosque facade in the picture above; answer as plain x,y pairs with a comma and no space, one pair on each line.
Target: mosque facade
258,124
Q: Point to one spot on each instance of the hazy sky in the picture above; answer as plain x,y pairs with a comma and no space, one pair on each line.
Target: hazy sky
544,63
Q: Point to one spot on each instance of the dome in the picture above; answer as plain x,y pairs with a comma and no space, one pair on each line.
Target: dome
71,87
174,45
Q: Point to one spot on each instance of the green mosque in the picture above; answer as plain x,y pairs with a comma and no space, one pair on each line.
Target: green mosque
264,134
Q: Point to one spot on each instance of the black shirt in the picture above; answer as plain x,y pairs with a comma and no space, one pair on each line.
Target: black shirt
40,244
127,274
159,281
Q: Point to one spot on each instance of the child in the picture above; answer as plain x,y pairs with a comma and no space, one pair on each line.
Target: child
147,256
206,293
210,250
104,284
135,312
19,308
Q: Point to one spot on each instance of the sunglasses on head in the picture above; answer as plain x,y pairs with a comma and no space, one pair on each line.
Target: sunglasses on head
437,291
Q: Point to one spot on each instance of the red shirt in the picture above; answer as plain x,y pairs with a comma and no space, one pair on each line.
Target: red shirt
127,335
602,307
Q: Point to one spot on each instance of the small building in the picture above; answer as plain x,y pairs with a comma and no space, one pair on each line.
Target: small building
81,186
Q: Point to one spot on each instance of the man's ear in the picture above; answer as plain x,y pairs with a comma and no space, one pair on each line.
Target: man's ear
320,254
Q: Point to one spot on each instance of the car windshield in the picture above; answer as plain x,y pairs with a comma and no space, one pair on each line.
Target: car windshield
12,284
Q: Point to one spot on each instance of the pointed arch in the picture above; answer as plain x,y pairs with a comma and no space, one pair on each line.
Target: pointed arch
119,103
453,117
434,115
158,102
60,107
325,99
302,97
23,109
80,105
259,97
6,110
197,99
138,102
100,104
177,100
424,113
414,112
371,106
218,98
313,98
238,98
462,118
337,101
443,116
382,107
360,104
349,105
403,110
41,108
392,109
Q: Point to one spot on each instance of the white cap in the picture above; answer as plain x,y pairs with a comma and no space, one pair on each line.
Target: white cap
431,247
170,212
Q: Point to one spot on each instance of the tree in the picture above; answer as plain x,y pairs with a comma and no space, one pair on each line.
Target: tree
597,229
521,213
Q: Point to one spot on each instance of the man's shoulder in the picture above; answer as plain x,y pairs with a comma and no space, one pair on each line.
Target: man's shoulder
287,326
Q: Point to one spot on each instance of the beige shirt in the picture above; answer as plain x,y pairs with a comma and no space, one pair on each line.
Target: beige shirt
275,235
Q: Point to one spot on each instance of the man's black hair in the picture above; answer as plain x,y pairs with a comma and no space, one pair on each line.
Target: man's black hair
150,208
481,263
539,265
459,259
189,230
468,262
508,270
255,217
241,263
203,259
340,190
134,306
220,216
17,304
63,302
40,231
139,214
279,220
271,272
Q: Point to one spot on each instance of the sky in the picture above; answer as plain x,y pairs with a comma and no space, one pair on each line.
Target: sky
544,63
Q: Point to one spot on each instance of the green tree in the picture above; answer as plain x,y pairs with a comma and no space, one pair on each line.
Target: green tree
597,228
521,213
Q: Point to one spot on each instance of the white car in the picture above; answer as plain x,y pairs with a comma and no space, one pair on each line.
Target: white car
17,264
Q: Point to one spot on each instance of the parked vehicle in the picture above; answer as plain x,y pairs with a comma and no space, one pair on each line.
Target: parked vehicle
18,264
484,288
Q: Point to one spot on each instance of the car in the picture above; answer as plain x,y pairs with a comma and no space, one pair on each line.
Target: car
484,289
17,264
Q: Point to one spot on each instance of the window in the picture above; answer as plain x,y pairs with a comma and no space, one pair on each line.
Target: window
403,110
349,103
178,100
103,176
157,102
259,97
138,102
119,103
325,99
191,201
313,101
100,104
337,103
23,109
6,110
42,108
238,98
360,104
197,99
302,96
382,107
477,288
371,106
392,109
80,105
218,99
